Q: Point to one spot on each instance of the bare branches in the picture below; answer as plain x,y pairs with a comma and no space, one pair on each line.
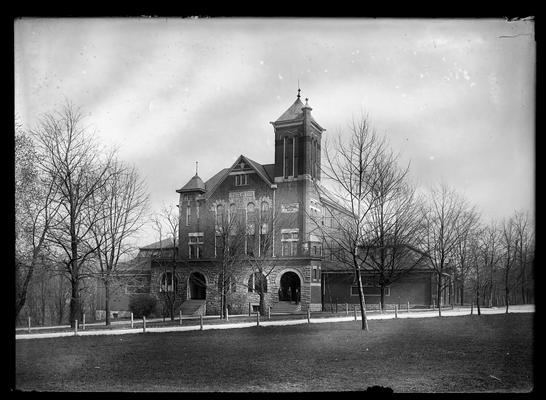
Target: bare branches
72,160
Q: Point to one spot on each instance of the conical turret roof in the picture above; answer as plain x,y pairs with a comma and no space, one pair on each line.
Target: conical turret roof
194,184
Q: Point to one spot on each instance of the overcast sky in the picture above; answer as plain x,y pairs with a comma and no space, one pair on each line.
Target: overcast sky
454,97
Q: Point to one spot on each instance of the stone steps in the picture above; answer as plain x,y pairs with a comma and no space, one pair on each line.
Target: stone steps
285,307
193,307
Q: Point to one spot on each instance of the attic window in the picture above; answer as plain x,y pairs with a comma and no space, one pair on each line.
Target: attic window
241,180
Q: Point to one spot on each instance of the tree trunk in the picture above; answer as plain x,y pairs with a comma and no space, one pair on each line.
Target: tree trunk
361,299
262,302
43,299
439,295
22,295
462,293
225,309
107,301
75,302
506,299
382,297
478,301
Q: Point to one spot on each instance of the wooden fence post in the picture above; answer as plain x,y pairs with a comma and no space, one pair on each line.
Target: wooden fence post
29,324
308,315
131,320
75,327
395,311
269,312
346,309
180,322
83,322
249,309
227,314
408,307
257,318
354,309
380,308
201,321
143,324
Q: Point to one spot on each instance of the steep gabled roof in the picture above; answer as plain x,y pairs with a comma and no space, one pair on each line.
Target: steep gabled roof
211,184
259,168
217,179
270,170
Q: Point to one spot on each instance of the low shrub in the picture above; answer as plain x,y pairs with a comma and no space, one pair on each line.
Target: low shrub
142,305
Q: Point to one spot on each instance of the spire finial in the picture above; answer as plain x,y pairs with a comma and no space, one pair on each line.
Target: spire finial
196,167
306,100
299,90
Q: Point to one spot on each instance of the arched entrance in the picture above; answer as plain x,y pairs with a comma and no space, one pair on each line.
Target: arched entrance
290,287
198,286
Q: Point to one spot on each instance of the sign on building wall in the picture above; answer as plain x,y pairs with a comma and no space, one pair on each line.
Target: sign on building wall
241,199
290,208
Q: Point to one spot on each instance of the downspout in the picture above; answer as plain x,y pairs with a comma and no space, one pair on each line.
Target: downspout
274,187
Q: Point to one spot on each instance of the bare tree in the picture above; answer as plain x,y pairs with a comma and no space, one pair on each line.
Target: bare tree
259,251
490,255
166,224
394,222
463,250
448,217
477,269
509,245
349,170
72,161
524,250
122,203
229,248
34,213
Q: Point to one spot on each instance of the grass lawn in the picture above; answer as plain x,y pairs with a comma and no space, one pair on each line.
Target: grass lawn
454,354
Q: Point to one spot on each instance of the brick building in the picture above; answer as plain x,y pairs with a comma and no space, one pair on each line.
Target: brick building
289,193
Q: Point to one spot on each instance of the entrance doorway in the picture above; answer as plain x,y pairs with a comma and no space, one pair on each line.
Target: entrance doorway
198,286
290,287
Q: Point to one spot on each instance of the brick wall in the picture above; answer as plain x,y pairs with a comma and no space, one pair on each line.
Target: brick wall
415,288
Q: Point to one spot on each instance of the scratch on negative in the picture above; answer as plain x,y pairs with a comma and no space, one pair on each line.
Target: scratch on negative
513,36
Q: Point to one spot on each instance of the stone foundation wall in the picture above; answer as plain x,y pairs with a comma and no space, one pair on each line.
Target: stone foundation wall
238,300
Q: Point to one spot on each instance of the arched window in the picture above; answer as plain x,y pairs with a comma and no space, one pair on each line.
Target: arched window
257,282
168,282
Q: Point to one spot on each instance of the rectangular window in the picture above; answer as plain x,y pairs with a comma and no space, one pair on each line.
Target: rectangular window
195,244
241,180
188,214
315,273
289,241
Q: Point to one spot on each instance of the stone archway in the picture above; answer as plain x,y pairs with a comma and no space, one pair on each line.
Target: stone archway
290,287
197,286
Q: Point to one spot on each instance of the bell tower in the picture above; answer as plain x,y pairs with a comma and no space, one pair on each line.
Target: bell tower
297,143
